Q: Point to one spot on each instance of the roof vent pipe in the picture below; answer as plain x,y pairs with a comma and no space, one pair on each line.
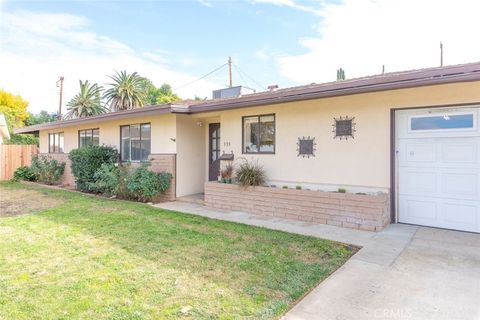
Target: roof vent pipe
272,87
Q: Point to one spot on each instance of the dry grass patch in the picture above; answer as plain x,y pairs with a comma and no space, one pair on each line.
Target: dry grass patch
14,202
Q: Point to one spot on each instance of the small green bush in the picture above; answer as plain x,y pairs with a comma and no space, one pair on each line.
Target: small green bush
24,173
47,170
250,173
342,190
106,180
145,185
87,160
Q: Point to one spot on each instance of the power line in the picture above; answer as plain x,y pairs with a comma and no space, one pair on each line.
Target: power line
202,77
241,76
255,81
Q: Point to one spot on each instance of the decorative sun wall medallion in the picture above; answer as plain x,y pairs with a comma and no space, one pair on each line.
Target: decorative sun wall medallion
306,147
344,127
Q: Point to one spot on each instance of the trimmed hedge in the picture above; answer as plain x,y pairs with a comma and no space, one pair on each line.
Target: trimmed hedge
86,161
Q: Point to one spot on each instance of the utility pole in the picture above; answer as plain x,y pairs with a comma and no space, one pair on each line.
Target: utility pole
230,70
441,54
60,84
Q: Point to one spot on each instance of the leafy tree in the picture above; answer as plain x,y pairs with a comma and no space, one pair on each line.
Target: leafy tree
126,92
197,98
22,139
14,108
163,94
42,117
87,102
166,95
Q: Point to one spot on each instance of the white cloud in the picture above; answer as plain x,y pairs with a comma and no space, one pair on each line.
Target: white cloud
36,48
361,35
292,4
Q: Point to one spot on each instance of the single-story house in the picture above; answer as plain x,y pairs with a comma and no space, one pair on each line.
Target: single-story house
405,147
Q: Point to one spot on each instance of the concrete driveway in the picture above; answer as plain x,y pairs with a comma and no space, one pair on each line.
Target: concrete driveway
404,272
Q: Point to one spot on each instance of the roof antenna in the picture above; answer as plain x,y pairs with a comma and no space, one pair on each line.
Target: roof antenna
441,54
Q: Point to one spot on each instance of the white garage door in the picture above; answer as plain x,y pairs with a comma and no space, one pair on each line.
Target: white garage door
438,168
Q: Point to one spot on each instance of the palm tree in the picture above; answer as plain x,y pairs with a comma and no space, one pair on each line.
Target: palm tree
87,102
127,92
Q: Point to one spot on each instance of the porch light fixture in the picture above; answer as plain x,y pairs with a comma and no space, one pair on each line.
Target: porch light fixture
200,123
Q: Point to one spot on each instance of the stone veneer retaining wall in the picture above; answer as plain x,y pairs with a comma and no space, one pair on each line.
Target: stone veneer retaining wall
159,162
366,212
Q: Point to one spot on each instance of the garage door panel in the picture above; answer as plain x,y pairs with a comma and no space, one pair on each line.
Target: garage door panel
421,152
416,181
438,171
460,185
460,153
461,215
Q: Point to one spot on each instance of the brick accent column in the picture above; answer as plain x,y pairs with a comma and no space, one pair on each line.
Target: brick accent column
165,162
67,180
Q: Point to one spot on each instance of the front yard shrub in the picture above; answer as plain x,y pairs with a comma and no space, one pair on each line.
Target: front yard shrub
47,170
106,180
144,184
125,182
24,173
250,173
87,160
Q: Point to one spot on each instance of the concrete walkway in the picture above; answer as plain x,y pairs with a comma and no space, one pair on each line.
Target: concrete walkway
404,272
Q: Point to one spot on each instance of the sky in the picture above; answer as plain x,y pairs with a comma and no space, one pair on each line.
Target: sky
284,42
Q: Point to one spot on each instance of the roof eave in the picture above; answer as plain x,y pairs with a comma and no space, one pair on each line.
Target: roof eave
150,110
312,94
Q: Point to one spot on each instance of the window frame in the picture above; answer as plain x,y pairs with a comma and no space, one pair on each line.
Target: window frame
130,141
274,133
91,130
54,134
439,114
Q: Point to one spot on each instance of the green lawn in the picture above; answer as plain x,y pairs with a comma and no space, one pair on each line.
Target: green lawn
73,256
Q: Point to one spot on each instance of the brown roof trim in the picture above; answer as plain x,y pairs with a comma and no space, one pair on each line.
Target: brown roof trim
392,81
145,111
389,81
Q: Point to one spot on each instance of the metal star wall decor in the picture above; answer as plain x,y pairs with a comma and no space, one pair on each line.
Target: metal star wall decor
306,147
344,127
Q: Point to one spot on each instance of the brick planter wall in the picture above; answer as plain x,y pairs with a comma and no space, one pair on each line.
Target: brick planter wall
168,163
366,212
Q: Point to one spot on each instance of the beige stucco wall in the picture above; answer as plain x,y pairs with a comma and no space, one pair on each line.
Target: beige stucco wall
190,155
357,164
162,132
362,162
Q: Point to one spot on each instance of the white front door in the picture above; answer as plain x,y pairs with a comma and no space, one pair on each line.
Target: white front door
438,168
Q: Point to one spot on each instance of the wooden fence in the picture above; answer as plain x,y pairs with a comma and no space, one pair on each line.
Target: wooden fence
14,156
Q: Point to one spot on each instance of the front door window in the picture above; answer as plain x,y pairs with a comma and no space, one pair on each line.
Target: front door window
214,151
